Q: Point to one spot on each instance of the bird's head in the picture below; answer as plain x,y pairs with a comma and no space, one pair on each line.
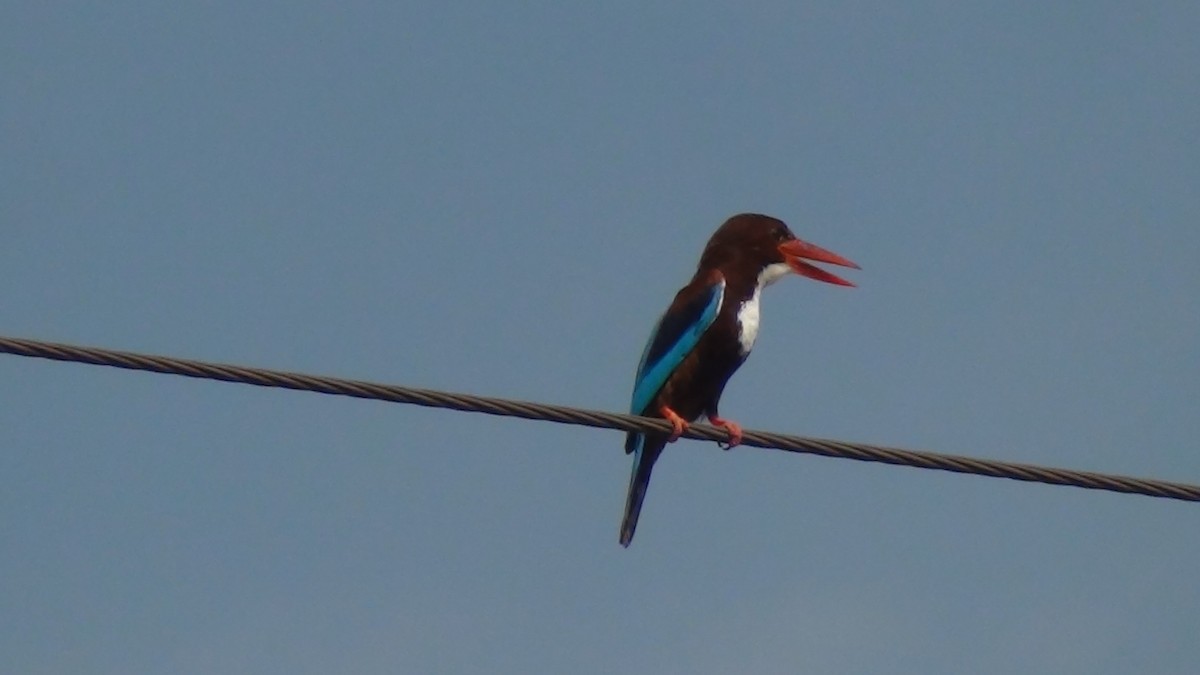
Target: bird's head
765,248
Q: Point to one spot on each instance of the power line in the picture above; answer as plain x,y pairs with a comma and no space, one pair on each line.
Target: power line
594,418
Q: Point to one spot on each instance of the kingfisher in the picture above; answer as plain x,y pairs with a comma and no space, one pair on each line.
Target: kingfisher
707,333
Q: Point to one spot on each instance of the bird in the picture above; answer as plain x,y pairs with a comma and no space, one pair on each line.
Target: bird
706,334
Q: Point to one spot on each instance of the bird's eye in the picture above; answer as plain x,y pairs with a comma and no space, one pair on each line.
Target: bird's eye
781,235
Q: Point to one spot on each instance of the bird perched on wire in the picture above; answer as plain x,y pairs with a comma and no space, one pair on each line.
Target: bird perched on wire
706,334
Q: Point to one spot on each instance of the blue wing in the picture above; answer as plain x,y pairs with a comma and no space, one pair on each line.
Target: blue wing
674,337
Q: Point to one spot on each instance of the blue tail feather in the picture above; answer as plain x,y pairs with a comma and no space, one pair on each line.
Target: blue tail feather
645,454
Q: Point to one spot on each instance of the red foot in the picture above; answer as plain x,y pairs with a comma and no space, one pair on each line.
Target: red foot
678,424
734,429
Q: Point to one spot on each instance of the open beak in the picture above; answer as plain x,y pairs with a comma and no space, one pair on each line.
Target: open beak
795,252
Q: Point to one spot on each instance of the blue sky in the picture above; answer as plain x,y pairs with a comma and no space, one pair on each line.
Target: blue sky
500,199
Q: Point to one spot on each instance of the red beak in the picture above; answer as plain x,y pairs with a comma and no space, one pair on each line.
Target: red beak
793,251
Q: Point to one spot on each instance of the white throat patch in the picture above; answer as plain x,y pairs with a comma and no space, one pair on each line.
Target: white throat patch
747,315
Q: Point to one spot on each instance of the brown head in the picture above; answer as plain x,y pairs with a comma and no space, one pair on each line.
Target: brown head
764,248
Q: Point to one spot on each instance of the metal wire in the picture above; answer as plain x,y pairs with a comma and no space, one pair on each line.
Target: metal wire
594,418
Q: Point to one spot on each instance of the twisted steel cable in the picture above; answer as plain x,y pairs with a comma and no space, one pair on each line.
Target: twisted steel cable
594,418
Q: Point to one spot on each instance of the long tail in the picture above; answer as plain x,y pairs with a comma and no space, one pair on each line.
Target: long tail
645,453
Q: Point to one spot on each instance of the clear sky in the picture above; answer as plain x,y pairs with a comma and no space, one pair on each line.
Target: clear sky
500,198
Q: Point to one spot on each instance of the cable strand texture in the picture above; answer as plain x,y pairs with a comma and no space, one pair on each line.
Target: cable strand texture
594,418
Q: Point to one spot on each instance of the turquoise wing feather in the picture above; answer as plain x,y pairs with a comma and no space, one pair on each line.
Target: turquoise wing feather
674,337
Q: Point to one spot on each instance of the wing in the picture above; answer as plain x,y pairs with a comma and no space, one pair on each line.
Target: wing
674,337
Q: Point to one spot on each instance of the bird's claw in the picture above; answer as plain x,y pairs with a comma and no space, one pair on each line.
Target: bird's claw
734,429
678,424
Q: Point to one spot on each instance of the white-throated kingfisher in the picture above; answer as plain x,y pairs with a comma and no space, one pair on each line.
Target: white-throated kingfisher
706,334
